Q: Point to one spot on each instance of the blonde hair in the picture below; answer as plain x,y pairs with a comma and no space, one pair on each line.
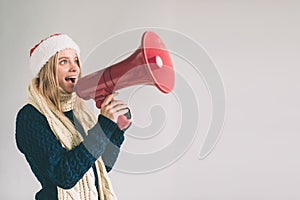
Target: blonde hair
47,82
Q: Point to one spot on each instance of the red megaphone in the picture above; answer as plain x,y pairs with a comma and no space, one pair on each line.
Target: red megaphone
150,64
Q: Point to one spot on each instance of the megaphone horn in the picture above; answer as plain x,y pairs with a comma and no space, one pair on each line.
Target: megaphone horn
150,64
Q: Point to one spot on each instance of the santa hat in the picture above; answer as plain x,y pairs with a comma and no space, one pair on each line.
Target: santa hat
48,47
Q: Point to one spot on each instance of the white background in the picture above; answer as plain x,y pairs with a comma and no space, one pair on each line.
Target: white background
255,46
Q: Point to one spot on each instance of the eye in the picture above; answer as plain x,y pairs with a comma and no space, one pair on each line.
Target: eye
76,61
63,62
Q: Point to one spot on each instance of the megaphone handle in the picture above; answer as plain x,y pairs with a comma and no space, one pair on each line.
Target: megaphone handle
128,114
124,121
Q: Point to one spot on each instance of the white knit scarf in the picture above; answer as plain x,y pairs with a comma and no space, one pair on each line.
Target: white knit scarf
69,137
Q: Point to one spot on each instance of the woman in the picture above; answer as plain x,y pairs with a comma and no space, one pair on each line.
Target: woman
68,149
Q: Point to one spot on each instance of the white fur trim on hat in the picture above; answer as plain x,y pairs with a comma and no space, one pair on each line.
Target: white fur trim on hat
47,48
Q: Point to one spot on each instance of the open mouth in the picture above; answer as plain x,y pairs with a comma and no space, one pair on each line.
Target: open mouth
70,79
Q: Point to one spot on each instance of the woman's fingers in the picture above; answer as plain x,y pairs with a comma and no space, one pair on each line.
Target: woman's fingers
112,109
120,112
115,103
108,99
118,107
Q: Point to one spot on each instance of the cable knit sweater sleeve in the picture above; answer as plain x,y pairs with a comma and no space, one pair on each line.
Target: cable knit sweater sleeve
51,163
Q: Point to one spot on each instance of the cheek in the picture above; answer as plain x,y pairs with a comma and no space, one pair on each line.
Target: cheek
60,75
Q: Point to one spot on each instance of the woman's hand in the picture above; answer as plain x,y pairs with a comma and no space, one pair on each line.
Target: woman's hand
112,109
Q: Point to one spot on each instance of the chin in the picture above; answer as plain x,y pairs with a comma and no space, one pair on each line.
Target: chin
68,90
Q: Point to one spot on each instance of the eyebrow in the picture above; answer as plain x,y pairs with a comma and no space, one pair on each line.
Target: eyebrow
63,58
66,58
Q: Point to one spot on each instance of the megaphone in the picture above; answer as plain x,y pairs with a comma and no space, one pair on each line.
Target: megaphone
150,64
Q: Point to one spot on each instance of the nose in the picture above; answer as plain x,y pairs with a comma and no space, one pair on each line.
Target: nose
74,67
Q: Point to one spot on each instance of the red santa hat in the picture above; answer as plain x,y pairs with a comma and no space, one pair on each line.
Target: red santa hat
48,47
